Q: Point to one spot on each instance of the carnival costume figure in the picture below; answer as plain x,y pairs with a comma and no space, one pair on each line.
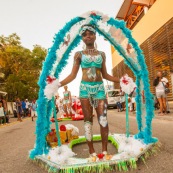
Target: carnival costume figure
92,91
67,102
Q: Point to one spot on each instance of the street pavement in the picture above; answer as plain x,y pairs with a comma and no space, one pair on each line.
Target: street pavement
17,138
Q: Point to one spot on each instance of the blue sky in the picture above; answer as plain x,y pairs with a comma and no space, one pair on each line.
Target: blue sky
37,21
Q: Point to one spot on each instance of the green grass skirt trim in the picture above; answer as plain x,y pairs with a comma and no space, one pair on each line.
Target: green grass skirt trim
99,167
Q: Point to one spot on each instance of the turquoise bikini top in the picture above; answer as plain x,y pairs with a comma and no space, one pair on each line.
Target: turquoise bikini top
88,61
66,94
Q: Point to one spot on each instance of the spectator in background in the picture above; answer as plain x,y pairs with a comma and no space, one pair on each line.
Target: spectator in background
27,107
14,109
119,106
160,83
19,109
23,108
156,102
4,105
33,109
57,99
2,115
1,101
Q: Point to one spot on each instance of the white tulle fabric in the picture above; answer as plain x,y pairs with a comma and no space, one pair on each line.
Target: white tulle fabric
60,154
128,147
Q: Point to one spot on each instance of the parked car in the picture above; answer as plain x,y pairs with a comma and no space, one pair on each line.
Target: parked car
113,97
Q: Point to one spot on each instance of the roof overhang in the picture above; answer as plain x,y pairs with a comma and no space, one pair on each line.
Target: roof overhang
129,6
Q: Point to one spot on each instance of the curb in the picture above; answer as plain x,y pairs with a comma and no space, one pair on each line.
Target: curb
15,122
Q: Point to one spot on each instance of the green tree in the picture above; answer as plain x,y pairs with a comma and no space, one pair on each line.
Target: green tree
20,66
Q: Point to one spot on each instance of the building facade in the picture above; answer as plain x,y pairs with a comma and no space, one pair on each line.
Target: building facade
154,33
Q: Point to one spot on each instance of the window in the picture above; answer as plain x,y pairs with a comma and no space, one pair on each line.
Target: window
113,93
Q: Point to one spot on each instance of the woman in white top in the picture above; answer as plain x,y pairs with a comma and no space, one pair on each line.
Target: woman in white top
160,83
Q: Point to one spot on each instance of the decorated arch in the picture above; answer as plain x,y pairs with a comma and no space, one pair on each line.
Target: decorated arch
65,41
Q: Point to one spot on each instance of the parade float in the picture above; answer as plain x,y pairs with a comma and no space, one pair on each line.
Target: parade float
58,156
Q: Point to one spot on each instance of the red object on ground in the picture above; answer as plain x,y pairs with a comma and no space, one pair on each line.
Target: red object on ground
100,156
62,128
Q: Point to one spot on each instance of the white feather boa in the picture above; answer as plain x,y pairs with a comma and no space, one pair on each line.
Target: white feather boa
128,147
51,88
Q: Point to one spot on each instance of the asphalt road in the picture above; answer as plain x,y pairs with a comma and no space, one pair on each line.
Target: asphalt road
17,139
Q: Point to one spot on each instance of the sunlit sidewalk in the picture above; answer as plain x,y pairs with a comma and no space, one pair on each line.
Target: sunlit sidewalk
13,120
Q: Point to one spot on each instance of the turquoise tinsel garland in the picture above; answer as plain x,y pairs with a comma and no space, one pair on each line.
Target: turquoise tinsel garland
65,57
138,105
147,134
43,123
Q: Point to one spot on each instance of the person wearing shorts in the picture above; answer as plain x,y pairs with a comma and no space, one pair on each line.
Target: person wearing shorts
160,83
33,109
19,109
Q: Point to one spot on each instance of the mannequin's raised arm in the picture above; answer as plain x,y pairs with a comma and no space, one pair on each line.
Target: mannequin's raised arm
74,71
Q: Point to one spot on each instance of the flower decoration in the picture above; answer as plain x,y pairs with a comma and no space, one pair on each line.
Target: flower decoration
127,84
96,15
100,156
125,81
66,42
93,13
50,79
51,87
